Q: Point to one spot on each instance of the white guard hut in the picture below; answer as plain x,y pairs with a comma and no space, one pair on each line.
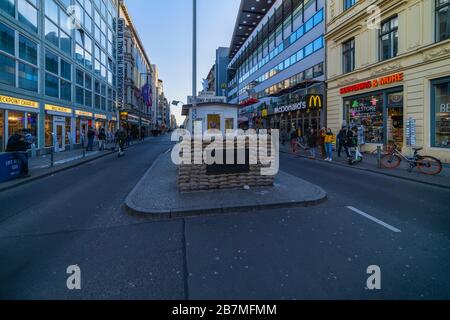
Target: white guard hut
211,115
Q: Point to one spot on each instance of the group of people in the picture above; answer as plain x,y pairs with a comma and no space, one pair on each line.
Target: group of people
103,137
324,140
19,143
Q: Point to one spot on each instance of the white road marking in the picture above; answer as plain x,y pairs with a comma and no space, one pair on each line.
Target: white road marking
368,216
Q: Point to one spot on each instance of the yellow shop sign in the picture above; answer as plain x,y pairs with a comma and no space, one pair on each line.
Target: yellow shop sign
83,113
19,102
100,116
50,107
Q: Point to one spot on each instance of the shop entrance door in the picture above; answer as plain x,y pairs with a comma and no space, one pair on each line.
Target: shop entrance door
59,129
395,122
395,126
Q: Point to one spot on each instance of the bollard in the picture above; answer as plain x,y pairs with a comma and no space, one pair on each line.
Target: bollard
379,157
52,157
84,151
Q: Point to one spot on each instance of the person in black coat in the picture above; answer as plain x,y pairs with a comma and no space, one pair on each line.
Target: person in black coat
312,142
19,146
342,142
91,138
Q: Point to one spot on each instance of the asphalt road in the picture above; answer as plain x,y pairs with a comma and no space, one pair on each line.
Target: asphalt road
77,218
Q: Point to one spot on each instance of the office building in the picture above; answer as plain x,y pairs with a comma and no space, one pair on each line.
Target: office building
276,62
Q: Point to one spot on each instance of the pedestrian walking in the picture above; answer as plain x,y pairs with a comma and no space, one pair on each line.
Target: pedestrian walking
355,155
330,138
102,139
312,142
342,142
322,134
294,138
91,138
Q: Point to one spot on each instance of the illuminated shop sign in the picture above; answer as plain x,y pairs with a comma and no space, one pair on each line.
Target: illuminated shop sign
291,108
49,107
83,113
19,102
314,101
383,81
100,116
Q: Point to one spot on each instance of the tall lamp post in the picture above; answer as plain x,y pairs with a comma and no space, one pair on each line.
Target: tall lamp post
194,52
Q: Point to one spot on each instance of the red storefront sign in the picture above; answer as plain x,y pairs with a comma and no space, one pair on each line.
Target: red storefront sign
398,77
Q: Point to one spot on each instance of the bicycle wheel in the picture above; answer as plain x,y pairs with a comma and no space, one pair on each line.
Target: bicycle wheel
390,161
429,165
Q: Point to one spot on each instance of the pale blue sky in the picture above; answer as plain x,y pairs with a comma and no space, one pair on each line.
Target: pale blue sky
165,28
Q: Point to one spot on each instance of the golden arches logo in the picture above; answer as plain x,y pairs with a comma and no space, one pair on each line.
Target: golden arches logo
314,101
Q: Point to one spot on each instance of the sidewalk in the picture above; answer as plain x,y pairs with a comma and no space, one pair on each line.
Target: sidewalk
40,167
370,164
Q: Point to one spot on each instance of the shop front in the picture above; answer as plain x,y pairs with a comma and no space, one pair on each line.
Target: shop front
112,125
378,115
15,115
440,113
376,108
58,127
101,122
83,121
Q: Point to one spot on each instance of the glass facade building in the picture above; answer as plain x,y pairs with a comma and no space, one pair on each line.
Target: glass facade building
276,60
57,69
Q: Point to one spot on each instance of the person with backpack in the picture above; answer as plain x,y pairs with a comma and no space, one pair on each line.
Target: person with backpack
19,146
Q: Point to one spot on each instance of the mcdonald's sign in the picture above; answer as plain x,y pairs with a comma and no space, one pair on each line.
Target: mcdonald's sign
314,101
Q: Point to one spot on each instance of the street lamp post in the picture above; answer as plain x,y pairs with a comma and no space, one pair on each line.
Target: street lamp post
194,52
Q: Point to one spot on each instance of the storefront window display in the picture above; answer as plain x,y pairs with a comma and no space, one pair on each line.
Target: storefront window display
48,130
441,113
32,125
367,111
68,131
16,122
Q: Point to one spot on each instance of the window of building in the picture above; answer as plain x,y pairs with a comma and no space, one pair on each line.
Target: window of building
349,3
58,77
56,28
24,61
28,14
348,54
440,113
389,39
442,20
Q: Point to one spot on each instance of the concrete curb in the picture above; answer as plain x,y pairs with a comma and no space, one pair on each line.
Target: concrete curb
163,215
20,182
373,171
169,214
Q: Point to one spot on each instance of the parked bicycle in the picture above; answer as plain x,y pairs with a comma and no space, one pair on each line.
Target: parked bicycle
426,164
